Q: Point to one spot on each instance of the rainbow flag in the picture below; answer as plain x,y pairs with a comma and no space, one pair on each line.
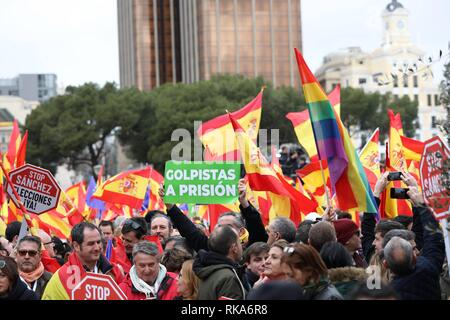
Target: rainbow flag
323,120
218,137
348,180
303,128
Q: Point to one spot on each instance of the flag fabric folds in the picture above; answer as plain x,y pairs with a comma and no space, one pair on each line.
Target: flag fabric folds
370,158
348,179
127,188
323,120
304,133
262,177
218,137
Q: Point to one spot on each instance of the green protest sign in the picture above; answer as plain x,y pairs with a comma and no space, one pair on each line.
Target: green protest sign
201,182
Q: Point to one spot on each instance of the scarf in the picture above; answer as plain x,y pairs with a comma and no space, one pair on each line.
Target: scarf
32,276
151,292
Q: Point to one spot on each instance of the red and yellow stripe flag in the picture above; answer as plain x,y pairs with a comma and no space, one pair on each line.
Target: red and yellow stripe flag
218,137
262,177
156,202
370,158
395,161
13,148
127,188
22,152
412,150
311,176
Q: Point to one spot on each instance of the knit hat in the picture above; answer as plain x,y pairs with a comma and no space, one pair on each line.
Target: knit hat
345,229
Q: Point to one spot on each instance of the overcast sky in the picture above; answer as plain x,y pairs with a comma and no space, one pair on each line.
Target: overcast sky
77,39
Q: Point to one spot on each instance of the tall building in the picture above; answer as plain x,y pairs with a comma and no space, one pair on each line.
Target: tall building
32,87
190,40
398,66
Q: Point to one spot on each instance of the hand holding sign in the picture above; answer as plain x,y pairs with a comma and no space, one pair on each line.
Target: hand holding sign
243,193
161,194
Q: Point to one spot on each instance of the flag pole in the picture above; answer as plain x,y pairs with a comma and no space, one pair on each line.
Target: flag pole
327,192
21,206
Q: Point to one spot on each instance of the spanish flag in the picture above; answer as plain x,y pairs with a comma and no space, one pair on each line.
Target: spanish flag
370,158
262,177
54,224
127,188
13,147
77,194
218,137
156,202
395,161
311,176
412,151
22,152
304,133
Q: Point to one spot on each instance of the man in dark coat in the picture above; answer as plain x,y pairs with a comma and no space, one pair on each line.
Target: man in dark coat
30,266
218,269
417,278
249,216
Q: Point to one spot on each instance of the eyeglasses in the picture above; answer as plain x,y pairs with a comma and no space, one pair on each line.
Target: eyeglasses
134,225
31,253
47,243
289,250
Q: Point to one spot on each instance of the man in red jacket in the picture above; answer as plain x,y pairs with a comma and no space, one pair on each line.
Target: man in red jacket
148,279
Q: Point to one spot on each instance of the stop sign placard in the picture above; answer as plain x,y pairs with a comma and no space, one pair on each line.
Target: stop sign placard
37,188
435,154
97,287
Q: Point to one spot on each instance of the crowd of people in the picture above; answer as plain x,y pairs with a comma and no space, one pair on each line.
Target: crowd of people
168,256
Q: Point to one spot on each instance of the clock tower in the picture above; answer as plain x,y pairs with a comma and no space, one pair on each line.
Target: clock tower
395,25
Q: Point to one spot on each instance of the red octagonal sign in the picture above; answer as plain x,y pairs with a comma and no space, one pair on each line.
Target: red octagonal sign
97,287
37,188
433,178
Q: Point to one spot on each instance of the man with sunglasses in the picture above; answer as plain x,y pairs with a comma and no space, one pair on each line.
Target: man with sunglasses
31,268
133,231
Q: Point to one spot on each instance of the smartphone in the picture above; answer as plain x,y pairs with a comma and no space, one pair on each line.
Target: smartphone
399,193
394,176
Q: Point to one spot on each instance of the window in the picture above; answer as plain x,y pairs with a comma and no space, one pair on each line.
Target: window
416,98
395,82
405,81
436,100
416,81
362,81
429,99
433,122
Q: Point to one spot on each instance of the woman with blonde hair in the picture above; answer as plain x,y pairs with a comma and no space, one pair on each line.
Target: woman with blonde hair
303,264
188,282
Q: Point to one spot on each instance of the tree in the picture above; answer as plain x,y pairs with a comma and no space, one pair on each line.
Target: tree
445,100
171,107
73,128
367,111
